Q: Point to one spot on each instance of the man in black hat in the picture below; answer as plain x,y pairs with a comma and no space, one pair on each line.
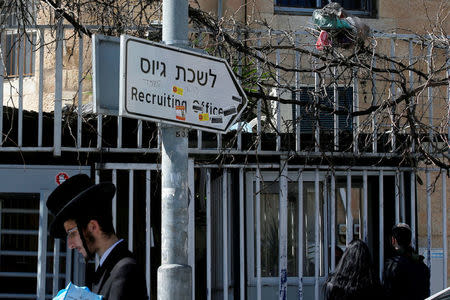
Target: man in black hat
405,275
83,214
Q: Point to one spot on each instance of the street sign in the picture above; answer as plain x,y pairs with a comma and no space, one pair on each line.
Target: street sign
177,86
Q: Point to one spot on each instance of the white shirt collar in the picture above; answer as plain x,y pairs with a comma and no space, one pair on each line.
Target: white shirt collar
107,252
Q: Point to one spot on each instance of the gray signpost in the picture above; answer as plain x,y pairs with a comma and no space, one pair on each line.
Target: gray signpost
174,274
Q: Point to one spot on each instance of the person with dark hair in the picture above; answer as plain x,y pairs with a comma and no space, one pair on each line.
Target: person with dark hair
405,275
83,215
355,277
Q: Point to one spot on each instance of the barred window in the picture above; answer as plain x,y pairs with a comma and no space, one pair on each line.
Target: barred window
325,119
17,46
17,43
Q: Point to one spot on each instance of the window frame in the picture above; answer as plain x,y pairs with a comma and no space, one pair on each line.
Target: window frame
294,10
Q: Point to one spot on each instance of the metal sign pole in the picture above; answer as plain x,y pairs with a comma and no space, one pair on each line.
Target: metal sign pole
174,274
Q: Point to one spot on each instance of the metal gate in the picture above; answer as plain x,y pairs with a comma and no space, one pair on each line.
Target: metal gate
229,241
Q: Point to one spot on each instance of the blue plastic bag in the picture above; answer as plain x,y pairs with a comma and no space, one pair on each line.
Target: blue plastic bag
73,292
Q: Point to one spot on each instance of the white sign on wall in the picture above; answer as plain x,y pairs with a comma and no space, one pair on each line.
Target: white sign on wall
177,86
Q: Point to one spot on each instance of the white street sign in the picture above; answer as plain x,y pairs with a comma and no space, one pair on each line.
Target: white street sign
177,86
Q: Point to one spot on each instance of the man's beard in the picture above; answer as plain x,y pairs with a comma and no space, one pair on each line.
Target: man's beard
89,240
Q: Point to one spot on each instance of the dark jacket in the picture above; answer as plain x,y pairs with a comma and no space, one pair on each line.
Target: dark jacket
333,292
120,277
406,277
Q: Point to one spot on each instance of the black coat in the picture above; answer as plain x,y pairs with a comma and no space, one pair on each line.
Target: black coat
373,292
406,277
120,277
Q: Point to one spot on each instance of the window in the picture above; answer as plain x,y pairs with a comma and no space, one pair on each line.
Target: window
17,45
326,120
358,7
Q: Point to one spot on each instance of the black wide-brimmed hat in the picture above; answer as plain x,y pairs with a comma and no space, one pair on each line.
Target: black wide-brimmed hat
76,197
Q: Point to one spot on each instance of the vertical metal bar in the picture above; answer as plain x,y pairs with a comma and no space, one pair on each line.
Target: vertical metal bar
199,139
258,233
333,221
21,53
365,203
258,105
335,116
241,235
349,219
430,96
283,235
41,86
219,141
97,176
428,219
77,267
80,91
381,218
392,92
316,235
191,225
219,9
225,232
297,98
68,265
56,251
148,232
324,230
448,98
97,181
413,209
42,247
114,200
57,122
139,134
239,123
316,101
2,74
402,197
119,132
355,108
411,84
397,198
130,209
99,131
277,58
300,235
258,124
444,227
374,114
159,136
208,234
